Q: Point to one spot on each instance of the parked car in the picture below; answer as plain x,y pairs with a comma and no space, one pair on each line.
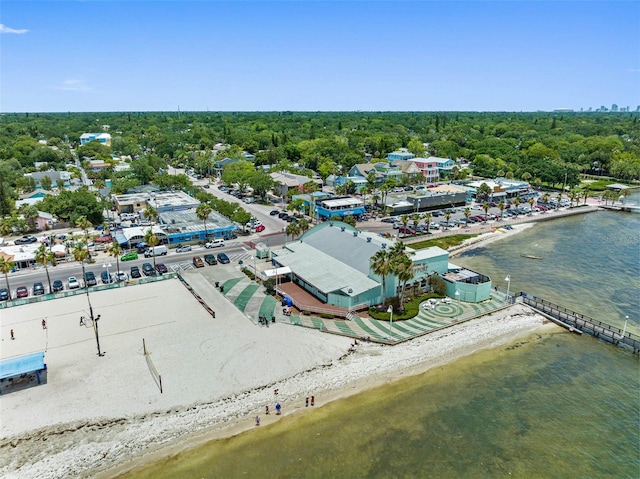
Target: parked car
57,286
4,294
390,219
216,243
106,277
148,270
210,259
161,268
197,262
26,240
131,255
183,248
121,276
223,258
22,292
135,272
259,228
38,289
407,231
73,282
274,213
282,214
90,278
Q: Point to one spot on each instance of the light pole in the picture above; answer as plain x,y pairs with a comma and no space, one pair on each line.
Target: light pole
107,266
508,280
390,311
458,299
624,329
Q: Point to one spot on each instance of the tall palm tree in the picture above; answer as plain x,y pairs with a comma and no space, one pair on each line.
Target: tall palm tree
585,194
559,199
485,207
115,250
292,229
531,201
84,224
447,217
382,265
427,219
415,219
501,206
467,213
6,266
303,223
80,254
151,214
404,219
202,212
403,270
44,256
152,240
546,197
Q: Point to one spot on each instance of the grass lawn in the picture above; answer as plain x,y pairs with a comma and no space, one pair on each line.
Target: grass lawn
443,243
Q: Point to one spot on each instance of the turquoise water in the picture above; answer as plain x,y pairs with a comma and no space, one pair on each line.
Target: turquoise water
557,405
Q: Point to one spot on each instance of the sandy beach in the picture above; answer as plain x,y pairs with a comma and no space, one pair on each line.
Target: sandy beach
97,416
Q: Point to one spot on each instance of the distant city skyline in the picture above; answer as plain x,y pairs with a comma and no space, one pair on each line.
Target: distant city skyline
319,56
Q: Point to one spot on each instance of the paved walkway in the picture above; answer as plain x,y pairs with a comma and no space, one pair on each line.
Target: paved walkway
250,298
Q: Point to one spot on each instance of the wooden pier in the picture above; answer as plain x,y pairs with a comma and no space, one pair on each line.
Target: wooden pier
580,322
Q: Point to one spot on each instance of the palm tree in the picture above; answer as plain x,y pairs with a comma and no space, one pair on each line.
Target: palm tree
585,194
531,202
303,224
559,199
44,256
427,219
382,265
501,207
447,216
115,250
84,224
6,266
485,207
151,239
517,200
151,214
545,198
403,270
202,212
404,219
467,213
415,218
80,254
293,229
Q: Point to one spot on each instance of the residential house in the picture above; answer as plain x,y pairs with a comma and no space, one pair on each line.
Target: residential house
286,181
401,154
104,138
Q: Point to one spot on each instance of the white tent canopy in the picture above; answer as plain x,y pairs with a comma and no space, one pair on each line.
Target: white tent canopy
270,273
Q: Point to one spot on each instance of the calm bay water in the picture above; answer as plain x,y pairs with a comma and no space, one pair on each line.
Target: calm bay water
558,405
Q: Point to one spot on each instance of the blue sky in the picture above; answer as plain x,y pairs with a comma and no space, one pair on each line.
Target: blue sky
309,56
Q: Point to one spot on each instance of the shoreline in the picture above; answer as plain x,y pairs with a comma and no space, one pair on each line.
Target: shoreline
135,425
522,324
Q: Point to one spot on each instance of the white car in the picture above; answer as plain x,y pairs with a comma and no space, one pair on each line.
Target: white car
121,276
73,282
183,248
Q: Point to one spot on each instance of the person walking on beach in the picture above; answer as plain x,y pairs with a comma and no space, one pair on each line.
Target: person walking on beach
12,336
257,420
306,403
278,408
44,324
81,320
266,410
313,400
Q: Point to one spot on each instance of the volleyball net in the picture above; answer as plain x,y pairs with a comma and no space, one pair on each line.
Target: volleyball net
152,367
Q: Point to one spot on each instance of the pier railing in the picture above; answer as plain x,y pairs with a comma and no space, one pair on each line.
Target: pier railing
573,319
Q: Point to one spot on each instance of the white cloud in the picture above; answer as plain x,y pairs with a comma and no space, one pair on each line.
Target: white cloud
73,85
635,70
6,29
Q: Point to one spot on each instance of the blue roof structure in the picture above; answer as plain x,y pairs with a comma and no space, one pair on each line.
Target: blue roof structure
21,365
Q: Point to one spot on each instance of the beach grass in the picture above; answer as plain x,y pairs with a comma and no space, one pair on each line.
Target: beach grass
444,242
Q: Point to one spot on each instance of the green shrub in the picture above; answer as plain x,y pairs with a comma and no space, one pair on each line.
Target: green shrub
306,313
327,316
411,309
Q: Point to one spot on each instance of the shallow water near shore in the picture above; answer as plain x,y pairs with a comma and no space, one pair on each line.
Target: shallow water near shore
557,405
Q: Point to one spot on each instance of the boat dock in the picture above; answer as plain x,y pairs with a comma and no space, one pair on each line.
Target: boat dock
580,322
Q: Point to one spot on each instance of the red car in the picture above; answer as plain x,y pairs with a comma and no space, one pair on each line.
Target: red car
259,228
22,292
